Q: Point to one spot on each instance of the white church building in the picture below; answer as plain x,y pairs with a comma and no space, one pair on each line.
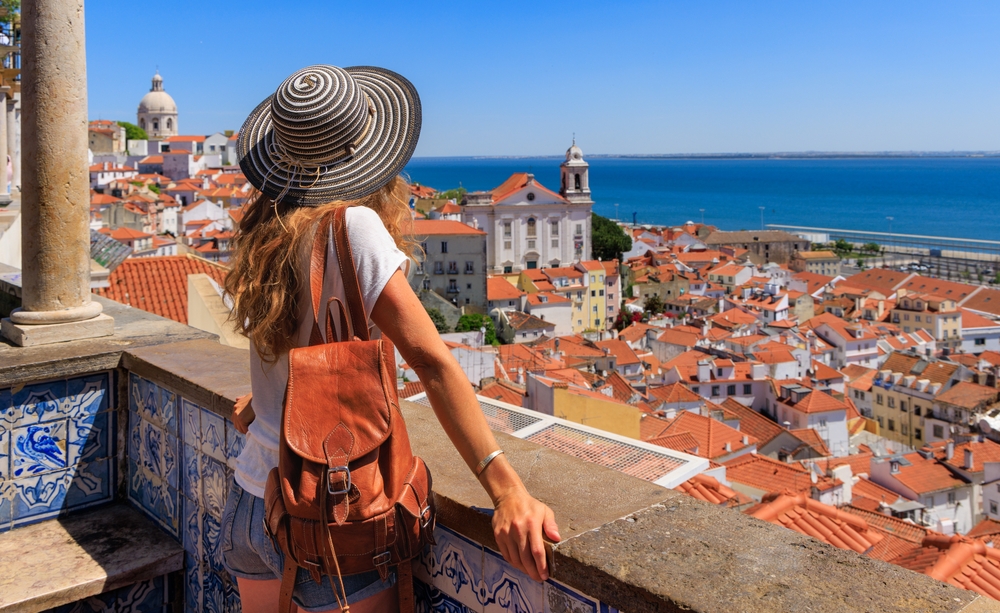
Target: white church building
530,226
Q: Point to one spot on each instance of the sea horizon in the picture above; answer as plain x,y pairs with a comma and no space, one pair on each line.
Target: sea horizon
950,195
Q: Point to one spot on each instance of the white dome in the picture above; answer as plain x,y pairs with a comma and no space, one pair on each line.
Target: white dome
574,153
157,102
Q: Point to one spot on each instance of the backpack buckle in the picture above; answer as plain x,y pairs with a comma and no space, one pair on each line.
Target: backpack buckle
332,489
382,559
426,517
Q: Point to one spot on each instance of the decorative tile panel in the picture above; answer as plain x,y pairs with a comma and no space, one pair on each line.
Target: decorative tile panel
56,448
143,597
181,459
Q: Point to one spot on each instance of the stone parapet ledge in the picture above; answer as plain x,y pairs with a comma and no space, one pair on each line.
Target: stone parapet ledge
627,542
133,328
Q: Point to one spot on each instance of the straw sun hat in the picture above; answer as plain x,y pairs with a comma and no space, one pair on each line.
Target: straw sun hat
329,134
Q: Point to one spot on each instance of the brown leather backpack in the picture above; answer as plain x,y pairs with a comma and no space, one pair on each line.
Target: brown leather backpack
348,495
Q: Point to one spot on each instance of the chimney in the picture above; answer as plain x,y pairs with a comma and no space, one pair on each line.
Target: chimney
968,459
746,439
704,371
729,447
949,450
758,371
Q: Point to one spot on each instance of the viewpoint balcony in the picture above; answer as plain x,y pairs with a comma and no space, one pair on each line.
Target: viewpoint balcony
116,455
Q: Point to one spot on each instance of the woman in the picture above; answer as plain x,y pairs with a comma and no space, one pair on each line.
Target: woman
332,137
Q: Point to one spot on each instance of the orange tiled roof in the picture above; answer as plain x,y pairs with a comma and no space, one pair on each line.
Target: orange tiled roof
986,451
712,436
435,227
518,181
185,139
505,392
969,395
821,521
675,392
819,402
963,562
812,438
879,279
985,301
411,388
925,475
708,489
158,284
498,288
620,349
762,473
635,331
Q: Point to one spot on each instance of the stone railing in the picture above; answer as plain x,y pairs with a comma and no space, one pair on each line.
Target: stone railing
143,418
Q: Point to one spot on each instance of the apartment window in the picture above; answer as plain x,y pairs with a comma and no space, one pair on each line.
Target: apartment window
452,268
718,372
452,285
906,317
423,247
892,425
438,268
470,268
468,286
980,342
916,318
939,433
427,283
916,410
595,309
593,293
506,229
695,390
878,398
951,497
579,229
902,406
905,429
532,229
444,246
993,508
879,419
715,390
747,389
731,390
918,433
600,292
892,402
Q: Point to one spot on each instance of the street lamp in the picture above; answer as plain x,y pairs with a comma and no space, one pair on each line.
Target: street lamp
890,218
761,218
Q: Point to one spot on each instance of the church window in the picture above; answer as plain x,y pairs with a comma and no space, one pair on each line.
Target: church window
531,226
579,229
156,125
506,229
555,228
142,124
576,181
531,196
531,264
170,123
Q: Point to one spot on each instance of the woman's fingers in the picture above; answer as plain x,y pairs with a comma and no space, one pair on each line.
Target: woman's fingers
523,545
549,526
537,546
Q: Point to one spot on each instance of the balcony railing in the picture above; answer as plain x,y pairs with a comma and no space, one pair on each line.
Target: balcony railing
150,412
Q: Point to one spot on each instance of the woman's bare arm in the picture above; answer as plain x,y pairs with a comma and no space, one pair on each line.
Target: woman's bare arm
519,520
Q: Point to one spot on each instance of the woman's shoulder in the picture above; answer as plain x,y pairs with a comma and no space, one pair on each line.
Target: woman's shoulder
363,217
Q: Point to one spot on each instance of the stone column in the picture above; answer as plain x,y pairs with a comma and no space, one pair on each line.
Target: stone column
14,141
4,189
55,203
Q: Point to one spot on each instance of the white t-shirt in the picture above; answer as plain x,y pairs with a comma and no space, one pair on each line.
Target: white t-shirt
376,259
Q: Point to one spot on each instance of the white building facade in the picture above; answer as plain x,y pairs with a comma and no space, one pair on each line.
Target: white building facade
529,226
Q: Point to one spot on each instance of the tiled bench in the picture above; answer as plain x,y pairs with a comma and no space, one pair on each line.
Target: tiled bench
112,553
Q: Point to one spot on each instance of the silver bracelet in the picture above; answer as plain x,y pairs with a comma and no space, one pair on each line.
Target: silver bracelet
486,461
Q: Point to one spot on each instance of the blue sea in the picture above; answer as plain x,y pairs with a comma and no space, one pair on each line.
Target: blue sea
955,197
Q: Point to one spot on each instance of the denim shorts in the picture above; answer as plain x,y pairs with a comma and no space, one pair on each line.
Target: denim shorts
248,553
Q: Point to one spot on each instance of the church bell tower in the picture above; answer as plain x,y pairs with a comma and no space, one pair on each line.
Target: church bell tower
575,173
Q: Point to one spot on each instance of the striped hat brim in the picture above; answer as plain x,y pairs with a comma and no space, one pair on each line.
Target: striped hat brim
379,156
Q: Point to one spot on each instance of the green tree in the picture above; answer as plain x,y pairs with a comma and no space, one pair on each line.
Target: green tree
608,240
654,305
438,319
871,247
9,8
843,246
457,194
474,321
133,132
860,263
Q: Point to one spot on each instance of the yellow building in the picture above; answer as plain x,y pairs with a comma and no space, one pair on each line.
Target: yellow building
595,410
939,316
583,284
817,262
904,392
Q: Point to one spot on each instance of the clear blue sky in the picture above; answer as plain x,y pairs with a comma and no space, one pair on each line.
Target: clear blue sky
519,78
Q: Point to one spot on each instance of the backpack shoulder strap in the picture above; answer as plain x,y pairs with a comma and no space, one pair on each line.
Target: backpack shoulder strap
352,288
317,273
